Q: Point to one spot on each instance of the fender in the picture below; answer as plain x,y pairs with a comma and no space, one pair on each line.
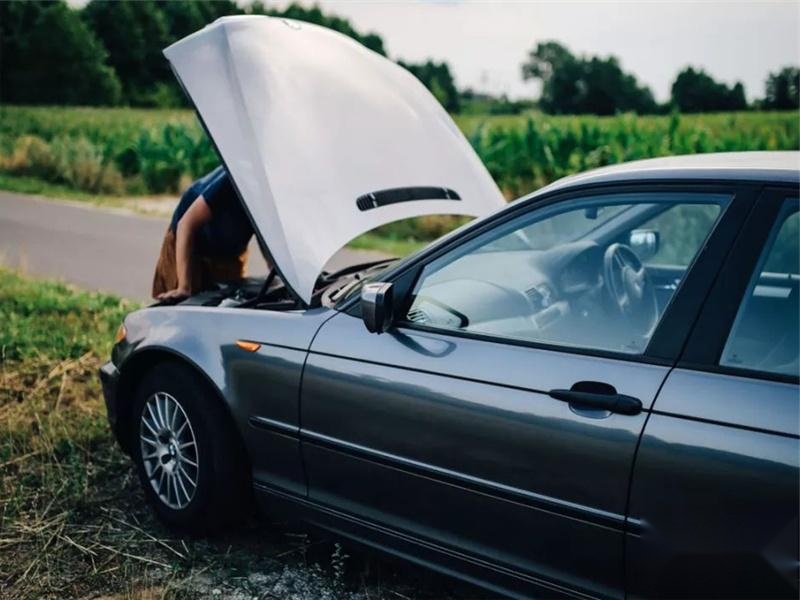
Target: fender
262,383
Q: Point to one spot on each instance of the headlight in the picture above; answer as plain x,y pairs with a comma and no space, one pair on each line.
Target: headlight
121,333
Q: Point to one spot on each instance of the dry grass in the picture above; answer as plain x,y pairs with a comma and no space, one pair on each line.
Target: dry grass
73,522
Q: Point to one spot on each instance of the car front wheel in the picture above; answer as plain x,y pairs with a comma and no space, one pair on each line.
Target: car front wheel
190,460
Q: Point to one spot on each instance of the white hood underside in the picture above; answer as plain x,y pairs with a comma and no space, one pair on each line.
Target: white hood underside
308,121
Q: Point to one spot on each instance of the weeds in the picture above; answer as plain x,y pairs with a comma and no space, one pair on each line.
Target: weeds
75,162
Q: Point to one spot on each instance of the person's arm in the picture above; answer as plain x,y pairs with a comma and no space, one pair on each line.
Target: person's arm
190,223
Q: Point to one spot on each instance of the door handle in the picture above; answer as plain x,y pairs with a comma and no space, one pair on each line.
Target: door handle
596,395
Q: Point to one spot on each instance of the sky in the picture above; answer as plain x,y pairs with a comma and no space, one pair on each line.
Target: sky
486,42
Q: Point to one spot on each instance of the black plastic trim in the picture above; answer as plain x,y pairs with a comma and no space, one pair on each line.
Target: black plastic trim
672,331
616,522
707,339
482,337
404,194
615,403
275,426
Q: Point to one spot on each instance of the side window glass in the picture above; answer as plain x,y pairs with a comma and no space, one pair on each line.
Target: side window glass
574,274
681,230
764,336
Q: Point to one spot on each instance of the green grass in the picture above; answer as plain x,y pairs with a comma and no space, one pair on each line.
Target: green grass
73,520
34,185
388,245
51,321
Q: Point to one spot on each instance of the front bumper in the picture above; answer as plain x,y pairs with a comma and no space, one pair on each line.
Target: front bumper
109,378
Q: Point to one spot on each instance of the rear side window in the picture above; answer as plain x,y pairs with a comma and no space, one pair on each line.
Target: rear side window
764,336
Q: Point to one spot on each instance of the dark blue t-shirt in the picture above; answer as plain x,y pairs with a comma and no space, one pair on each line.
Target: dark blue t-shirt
229,230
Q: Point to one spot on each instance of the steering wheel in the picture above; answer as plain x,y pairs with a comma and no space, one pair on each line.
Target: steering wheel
629,289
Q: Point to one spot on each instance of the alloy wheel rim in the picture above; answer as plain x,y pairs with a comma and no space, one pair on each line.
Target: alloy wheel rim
169,450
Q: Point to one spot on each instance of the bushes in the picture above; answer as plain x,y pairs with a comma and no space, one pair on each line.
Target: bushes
168,158
31,155
72,161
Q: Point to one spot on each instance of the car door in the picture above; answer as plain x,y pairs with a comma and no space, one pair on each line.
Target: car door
498,419
724,433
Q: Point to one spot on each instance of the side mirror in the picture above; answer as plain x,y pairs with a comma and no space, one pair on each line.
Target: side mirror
645,243
377,306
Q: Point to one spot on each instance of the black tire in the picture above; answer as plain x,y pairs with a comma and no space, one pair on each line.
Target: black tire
221,495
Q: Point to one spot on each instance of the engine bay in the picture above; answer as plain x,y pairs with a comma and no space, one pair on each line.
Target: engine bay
270,293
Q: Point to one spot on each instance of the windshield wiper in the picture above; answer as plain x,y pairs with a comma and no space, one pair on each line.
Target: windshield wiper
345,289
359,273
367,266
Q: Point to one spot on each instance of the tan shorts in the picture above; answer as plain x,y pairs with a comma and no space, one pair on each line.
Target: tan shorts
206,270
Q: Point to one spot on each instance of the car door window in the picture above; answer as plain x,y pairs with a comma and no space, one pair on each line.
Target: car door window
570,274
764,336
681,230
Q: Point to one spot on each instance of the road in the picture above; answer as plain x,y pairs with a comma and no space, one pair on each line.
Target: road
95,248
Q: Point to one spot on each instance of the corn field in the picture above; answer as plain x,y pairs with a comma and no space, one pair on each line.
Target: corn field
139,151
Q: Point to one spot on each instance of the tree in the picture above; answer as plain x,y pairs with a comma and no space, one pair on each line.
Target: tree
315,15
696,91
573,84
109,52
609,90
183,18
738,101
214,9
49,56
560,74
783,89
134,32
438,79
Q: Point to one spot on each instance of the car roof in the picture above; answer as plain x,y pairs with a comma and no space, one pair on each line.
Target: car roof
766,167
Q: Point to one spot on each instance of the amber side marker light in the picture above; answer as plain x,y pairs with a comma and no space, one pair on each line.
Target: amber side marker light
248,346
121,333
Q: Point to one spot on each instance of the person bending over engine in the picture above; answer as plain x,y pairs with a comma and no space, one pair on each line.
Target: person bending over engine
206,241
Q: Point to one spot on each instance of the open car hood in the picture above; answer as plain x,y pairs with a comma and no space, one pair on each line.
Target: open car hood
323,138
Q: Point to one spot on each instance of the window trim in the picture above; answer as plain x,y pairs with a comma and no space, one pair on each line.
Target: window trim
708,337
669,337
